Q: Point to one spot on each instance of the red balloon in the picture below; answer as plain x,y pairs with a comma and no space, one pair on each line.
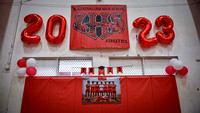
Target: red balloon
26,35
49,30
21,63
31,71
170,70
144,42
183,71
168,34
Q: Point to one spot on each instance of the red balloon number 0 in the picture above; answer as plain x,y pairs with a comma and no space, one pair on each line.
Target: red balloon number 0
49,30
26,36
166,37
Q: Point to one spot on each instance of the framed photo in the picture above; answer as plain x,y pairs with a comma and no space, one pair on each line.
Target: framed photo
95,91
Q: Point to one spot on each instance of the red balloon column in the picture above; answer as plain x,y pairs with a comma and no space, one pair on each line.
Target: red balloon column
168,35
49,36
26,35
144,42
176,65
26,67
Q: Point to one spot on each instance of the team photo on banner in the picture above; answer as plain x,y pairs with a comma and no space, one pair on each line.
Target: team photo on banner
95,91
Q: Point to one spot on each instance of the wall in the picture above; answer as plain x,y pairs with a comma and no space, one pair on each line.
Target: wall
185,14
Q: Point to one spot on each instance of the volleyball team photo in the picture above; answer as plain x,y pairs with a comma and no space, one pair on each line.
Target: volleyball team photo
96,91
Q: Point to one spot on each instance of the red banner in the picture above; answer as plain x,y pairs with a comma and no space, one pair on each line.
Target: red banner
102,71
102,78
91,70
99,26
119,70
109,70
83,70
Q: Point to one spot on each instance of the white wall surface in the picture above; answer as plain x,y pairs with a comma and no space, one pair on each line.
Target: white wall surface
185,14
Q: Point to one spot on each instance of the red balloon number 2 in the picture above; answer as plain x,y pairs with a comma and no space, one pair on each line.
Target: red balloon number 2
27,37
166,37
144,42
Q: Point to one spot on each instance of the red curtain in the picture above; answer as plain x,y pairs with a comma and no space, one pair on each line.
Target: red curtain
139,94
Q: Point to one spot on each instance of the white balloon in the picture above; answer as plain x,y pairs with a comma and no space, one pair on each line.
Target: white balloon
172,61
21,71
31,62
178,65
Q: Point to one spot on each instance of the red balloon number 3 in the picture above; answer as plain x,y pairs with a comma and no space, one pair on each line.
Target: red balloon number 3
166,37
167,29
26,36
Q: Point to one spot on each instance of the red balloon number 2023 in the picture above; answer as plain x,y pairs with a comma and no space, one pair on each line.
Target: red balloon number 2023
166,37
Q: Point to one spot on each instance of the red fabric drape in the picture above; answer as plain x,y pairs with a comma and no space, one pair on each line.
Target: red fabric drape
139,94
165,95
